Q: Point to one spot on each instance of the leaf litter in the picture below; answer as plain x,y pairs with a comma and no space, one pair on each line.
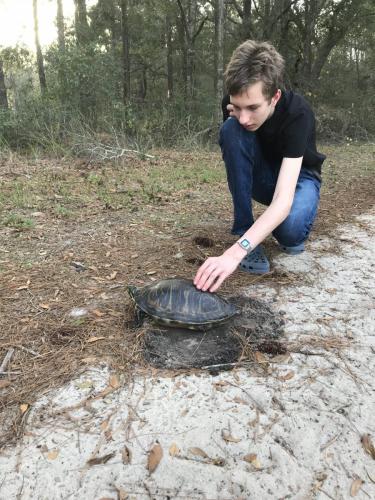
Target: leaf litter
36,300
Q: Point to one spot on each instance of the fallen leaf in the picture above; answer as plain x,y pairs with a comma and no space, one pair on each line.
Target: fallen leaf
174,450
24,407
100,460
218,461
368,445
287,376
86,384
154,457
108,435
198,452
260,357
121,494
371,479
126,455
44,306
104,424
134,256
112,276
226,435
252,459
221,383
355,487
239,400
281,358
98,313
94,339
114,381
24,287
4,383
150,273
88,360
53,454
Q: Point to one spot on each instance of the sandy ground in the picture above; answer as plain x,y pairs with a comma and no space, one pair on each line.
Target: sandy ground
289,429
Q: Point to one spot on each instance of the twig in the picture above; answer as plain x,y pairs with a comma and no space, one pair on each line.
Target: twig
330,441
254,401
6,360
27,350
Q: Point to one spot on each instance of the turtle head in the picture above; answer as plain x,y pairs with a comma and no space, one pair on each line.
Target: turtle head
132,290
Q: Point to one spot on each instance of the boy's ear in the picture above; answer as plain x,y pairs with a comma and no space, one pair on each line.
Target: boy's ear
276,97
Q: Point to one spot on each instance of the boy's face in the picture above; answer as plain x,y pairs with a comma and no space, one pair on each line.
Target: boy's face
252,108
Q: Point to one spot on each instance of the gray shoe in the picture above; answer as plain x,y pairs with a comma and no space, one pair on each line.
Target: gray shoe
255,262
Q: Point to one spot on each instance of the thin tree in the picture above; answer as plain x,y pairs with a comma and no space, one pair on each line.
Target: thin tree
219,55
61,45
125,51
81,24
169,46
3,90
192,24
60,26
39,55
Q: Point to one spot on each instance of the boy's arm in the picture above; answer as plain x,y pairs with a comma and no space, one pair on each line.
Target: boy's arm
216,269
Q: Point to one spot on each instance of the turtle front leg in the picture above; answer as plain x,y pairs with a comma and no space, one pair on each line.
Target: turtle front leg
139,317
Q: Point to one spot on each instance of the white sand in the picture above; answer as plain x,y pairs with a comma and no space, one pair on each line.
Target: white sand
304,430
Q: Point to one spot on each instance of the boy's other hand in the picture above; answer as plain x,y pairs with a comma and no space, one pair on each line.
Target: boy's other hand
230,109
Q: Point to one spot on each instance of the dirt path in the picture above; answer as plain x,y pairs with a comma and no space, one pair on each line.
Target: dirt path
284,427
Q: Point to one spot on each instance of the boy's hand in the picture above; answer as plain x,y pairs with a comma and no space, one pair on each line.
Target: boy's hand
215,270
230,109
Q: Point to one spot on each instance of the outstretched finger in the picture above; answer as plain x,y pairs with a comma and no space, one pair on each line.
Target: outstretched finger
209,279
217,284
203,272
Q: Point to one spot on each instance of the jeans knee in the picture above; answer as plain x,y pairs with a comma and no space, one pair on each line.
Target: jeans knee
229,128
292,232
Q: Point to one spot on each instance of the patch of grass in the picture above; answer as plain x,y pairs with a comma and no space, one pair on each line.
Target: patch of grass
61,211
19,196
18,221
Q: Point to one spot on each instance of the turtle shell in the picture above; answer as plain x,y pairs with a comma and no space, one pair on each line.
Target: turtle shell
177,302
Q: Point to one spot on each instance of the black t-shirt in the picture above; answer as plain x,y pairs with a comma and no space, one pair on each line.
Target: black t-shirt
290,132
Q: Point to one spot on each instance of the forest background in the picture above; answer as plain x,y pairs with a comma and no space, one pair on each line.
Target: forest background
150,72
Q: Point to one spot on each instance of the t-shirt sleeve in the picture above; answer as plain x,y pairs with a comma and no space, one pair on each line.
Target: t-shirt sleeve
296,134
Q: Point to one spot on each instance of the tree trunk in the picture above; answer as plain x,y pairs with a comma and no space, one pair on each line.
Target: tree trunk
125,52
183,49
310,18
39,55
190,30
219,56
61,44
170,81
81,24
246,20
60,27
3,91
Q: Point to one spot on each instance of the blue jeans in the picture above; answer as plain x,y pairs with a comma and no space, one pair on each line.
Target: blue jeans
250,175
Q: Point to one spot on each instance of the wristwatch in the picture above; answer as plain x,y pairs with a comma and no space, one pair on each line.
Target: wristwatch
245,244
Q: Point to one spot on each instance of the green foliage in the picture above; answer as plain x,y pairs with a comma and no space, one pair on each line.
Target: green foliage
84,97
18,221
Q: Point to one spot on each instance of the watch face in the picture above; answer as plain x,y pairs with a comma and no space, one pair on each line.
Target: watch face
245,243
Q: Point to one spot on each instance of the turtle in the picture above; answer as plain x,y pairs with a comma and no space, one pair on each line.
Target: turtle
177,302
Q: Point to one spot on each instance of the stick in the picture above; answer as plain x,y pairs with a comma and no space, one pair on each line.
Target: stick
6,360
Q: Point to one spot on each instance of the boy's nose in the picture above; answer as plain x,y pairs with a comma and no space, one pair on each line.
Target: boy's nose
244,118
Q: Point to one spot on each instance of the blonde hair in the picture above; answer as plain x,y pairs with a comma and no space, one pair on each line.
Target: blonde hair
252,62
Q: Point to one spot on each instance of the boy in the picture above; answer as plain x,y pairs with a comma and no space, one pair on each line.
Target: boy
268,147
